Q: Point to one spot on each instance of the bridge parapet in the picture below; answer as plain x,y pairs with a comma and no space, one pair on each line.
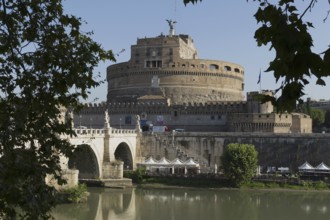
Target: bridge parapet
123,131
87,132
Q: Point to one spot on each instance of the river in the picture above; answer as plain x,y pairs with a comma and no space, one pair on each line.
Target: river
196,204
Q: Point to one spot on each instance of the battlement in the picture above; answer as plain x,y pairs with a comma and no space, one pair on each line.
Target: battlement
156,107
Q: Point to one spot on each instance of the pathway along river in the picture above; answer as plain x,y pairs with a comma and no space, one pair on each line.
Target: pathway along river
196,204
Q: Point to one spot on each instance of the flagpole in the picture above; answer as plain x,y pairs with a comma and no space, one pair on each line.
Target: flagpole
259,81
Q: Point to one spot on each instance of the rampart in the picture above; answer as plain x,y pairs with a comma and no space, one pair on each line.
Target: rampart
279,150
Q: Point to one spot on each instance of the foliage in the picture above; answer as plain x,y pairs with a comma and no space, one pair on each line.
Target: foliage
239,162
318,116
327,119
284,29
46,65
198,180
136,175
76,194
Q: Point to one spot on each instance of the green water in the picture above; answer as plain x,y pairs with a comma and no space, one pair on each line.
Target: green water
181,204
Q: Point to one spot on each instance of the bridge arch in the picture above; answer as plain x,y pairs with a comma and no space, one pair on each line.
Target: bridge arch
124,153
85,160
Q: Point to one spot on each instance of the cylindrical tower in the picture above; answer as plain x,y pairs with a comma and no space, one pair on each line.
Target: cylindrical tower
168,66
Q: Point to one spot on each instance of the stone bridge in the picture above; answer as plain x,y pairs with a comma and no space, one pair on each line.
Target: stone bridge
102,153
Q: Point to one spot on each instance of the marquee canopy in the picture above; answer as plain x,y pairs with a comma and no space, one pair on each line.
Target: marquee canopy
151,162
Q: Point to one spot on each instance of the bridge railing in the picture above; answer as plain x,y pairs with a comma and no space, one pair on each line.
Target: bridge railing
86,131
123,131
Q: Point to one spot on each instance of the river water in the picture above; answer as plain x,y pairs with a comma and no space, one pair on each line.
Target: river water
196,204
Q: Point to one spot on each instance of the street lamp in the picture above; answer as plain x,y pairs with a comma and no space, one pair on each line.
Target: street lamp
120,123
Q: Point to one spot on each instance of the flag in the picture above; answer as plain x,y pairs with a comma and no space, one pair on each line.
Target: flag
259,78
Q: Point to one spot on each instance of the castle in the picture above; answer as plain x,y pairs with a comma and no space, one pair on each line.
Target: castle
169,87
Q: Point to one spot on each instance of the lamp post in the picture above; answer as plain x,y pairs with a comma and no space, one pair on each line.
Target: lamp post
173,133
185,118
120,123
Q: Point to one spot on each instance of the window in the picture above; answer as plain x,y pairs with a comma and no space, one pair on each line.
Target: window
227,68
153,63
213,67
236,70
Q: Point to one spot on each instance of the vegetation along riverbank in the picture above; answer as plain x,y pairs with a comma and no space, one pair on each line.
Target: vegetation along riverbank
269,182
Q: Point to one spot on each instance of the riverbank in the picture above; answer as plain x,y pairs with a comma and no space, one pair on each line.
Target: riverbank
170,182
244,188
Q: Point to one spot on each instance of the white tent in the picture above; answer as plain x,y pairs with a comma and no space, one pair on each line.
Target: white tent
163,162
191,162
306,166
165,166
322,166
176,161
150,161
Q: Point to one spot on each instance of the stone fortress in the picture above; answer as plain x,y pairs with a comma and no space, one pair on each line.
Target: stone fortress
168,86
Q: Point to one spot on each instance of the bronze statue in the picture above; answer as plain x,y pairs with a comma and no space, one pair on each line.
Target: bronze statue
171,23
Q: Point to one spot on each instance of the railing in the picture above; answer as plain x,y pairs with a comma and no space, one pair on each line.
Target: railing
92,131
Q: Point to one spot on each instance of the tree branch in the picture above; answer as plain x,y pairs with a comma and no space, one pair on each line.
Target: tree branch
310,6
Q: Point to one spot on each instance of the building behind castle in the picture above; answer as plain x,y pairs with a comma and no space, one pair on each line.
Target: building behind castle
169,87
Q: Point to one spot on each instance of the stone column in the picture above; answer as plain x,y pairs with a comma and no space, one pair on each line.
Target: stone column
106,166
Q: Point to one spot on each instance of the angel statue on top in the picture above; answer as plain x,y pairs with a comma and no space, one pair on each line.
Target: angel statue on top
171,23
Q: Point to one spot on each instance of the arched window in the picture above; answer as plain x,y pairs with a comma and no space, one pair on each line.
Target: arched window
227,68
213,67
236,70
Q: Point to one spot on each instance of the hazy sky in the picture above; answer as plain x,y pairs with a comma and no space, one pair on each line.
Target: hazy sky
221,29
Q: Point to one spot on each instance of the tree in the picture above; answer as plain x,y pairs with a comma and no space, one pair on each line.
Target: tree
327,119
284,29
318,116
239,162
46,63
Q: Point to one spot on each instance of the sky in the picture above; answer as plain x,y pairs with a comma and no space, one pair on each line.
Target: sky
221,30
